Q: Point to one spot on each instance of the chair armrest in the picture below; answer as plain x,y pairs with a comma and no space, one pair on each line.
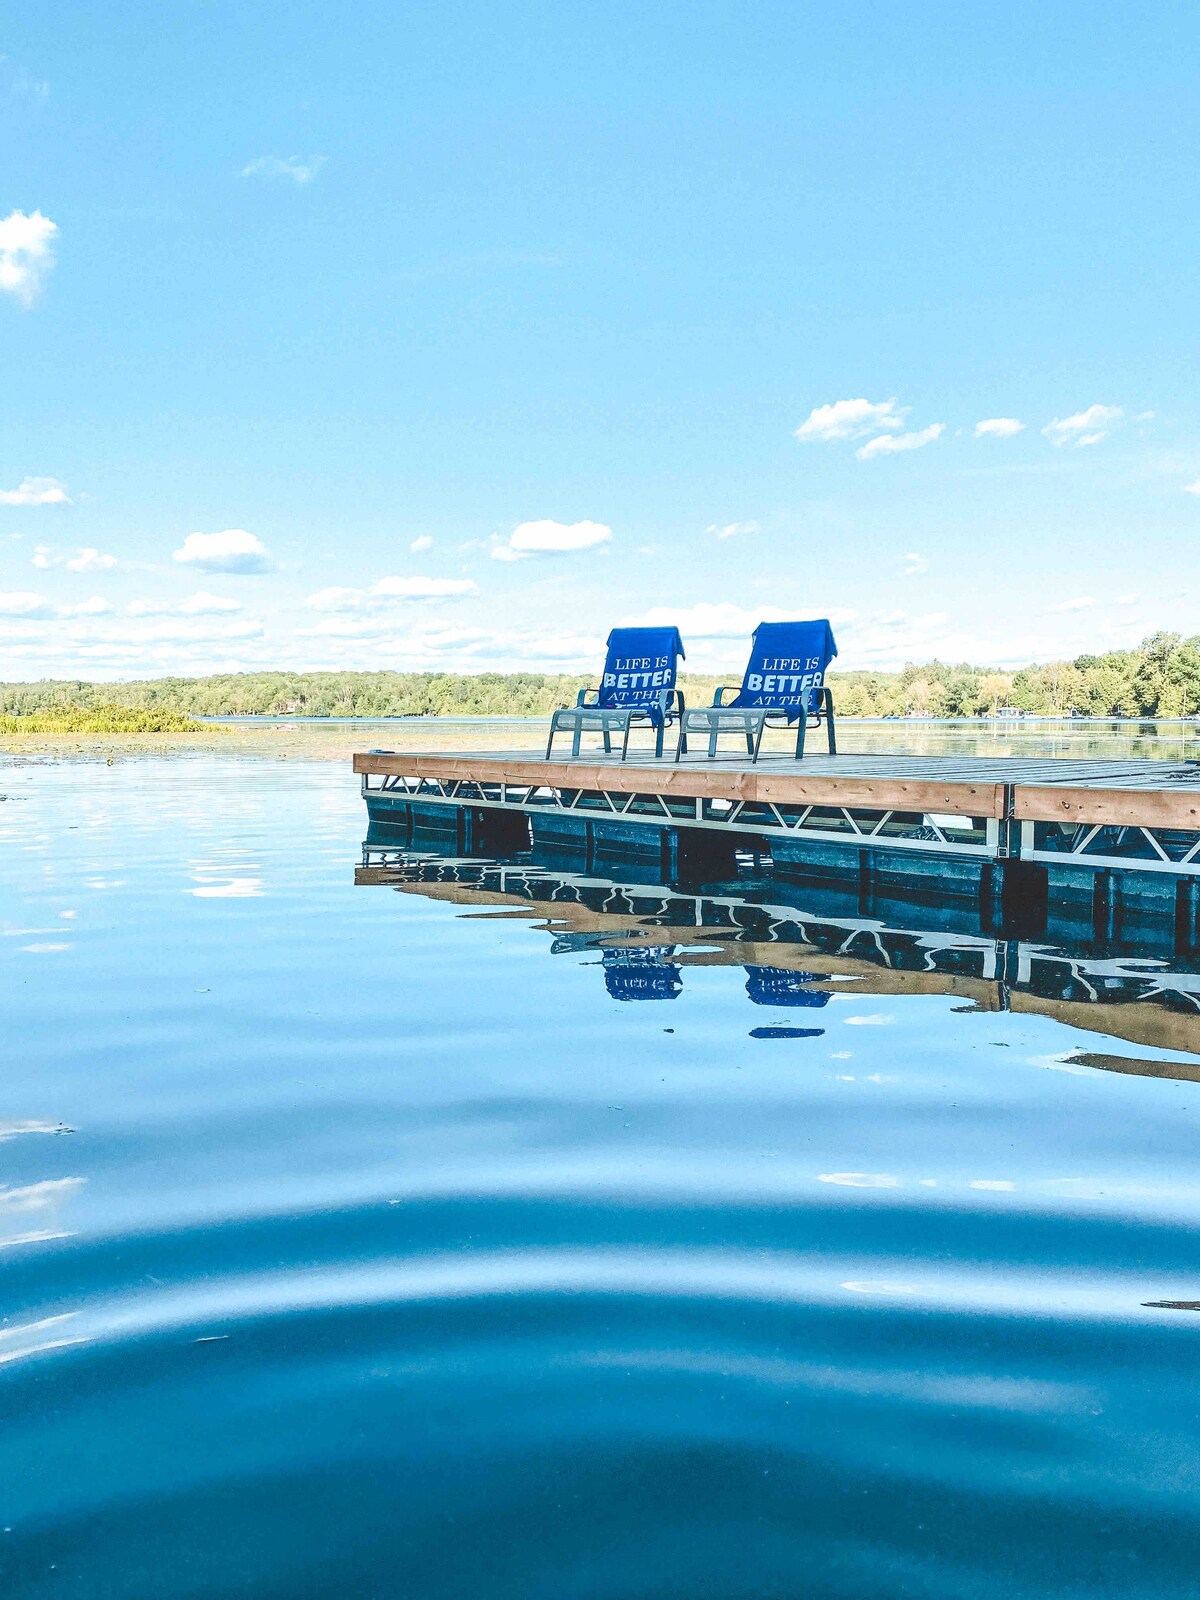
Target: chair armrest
731,687
580,698
680,703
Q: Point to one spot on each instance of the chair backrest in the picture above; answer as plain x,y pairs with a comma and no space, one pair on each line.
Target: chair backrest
640,666
786,670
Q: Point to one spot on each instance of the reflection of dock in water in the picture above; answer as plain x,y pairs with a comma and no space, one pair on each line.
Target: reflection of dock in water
793,941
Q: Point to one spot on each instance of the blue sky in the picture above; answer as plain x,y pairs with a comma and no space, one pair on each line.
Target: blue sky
447,335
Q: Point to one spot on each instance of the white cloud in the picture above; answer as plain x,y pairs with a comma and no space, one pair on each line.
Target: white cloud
708,620
23,603
200,604
420,544
231,550
423,588
1192,488
43,558
998,428
915,565
88,559
851,419
730,530
336,599
36,492
1085,427
1079,603
298,171
891,443
86,642
388,591
26,253
549,538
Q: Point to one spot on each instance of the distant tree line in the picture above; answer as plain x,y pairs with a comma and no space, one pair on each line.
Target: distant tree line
1161,678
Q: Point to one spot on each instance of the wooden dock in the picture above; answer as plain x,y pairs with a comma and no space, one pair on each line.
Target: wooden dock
1106,842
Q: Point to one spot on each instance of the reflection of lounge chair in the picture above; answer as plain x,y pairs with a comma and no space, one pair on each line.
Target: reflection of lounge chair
642,974
784,682
638,685
779,986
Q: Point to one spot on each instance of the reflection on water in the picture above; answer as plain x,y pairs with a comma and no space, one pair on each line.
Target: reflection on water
492,1229
1122,992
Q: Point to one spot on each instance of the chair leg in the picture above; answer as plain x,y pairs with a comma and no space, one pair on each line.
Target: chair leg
659,734
758,738
575,740
625,740
712,740
681,740
607,740
801,731
829,723
550,740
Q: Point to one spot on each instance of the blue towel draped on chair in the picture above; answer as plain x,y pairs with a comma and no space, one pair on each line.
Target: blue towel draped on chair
637,685
786,670
784,682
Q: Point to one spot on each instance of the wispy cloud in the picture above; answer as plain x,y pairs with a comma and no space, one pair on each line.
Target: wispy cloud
998,428
89,559
424,588
26,253
231,550
892,443
298,171
86,559
200,604
420,544
915,565
730,530
1079,603
36,492
24,603
1192,488
549,538
851,419
708,620
19,81
389,591
1085,427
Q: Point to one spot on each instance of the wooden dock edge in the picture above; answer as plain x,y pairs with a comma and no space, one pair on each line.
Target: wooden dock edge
887,794
1119,808
1147,808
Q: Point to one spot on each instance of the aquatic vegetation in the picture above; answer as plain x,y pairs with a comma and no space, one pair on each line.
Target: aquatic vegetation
101,718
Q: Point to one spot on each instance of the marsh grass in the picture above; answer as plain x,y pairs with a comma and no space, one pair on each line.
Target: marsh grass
102,718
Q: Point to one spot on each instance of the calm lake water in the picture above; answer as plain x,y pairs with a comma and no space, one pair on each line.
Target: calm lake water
478,1231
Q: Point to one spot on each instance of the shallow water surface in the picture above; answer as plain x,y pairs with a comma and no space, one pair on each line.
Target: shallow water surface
475,1230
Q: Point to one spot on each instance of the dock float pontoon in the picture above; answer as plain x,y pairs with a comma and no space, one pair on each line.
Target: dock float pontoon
1103,846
